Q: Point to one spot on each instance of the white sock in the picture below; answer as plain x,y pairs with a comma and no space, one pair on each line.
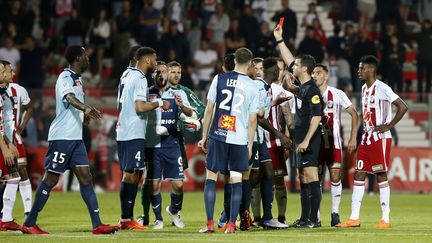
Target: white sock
336,193
26,194
384,189
281,199
357,196
256,201
9,197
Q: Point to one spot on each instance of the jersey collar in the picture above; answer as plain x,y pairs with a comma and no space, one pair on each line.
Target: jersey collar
71,71
136,69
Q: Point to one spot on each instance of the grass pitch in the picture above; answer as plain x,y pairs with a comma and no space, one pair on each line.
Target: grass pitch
66,218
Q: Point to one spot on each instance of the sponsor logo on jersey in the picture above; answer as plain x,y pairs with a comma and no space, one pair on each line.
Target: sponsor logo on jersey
227,122
377,167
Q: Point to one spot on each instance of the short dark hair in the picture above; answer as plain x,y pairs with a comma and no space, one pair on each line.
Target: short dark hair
5,63
324,67
243,55
161,63
257,60
132,52
144,51
307,61
269,62
174,64
370,60
72,53
228,61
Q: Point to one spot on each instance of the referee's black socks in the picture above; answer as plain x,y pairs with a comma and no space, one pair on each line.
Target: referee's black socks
305,201
315,200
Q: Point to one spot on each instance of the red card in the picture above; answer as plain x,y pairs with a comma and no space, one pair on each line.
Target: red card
281,20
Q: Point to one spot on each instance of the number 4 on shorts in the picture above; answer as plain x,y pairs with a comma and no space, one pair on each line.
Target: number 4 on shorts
138,156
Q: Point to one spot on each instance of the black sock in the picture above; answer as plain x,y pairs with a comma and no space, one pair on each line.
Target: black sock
305,201
315,200
127,197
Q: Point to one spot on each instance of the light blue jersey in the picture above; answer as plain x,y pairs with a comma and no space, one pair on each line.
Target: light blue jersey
235,98
132,88
8,115
265,102
67,124
162,125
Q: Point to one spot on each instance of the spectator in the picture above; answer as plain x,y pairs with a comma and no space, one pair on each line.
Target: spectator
208,10
334,43
424,57
15,15
74,30
362,48
218,25
344,74
205,61
234,39
32,62
310,15
348,10
260,8
174,44
289,29
349,39
424,10
248,25
393,57
319,33
149,20
367,10
63,9
99,38
310,45
124,29
10,53
194,36
266,43
404,9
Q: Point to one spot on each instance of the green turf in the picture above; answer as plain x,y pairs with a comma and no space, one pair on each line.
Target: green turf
65,217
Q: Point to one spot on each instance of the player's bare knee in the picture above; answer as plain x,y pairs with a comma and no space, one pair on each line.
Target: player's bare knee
254,178
210,175
359,176
22,170
267,170
235,177
156,187
335,176
381,177
245,175
226,179
51,179
177,187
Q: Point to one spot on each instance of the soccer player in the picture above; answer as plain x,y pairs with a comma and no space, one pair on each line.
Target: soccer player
191,124
163,148
66,148
280,118
307,137
374,149
267,72
133,105
23,111
230,120
334,100
8,165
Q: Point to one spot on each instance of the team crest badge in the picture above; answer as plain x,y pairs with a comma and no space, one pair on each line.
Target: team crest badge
330,104
315,99
227,122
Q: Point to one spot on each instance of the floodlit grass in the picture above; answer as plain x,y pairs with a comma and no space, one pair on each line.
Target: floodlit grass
66,218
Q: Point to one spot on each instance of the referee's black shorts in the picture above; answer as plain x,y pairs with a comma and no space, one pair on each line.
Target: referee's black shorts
310,156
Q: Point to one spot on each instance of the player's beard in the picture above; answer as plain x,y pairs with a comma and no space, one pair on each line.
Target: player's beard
161,82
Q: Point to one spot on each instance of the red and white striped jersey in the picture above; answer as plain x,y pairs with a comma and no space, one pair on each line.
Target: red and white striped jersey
334,101
276,115
376,107
20,97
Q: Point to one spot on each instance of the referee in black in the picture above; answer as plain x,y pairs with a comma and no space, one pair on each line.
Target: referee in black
307,137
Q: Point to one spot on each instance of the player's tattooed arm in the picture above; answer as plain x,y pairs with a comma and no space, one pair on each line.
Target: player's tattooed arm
89,111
